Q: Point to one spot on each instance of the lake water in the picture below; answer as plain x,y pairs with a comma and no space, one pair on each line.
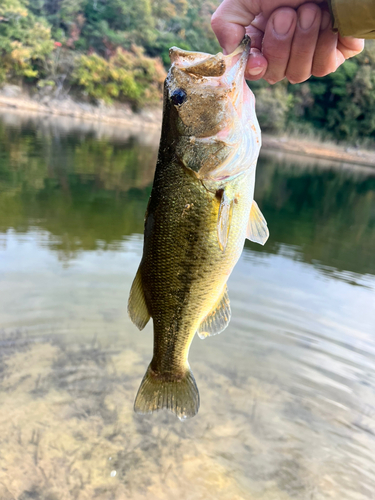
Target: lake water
287,391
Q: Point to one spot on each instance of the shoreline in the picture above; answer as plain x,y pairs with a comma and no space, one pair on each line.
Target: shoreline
120,115
123,117
319,150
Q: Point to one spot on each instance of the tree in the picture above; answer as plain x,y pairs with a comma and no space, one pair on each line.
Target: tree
25,41
128,76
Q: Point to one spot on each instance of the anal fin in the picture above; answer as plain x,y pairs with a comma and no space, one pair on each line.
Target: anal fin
218,319
257,229
137,307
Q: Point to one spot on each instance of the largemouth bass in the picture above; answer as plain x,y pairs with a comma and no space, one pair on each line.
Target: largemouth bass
200,211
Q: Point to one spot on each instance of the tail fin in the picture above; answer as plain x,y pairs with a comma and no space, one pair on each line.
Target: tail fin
178,395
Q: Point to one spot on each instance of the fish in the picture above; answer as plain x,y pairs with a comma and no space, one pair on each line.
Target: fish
201,210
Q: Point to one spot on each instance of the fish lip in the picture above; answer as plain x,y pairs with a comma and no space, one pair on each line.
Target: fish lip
236,71
245,45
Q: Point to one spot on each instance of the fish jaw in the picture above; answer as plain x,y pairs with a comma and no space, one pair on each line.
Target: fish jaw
231,67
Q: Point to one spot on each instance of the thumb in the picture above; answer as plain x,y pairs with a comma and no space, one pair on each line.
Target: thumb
230,19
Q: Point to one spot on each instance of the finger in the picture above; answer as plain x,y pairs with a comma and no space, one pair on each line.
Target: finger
350,47
325,57
229,21
304,42
269,6
277,43
347,48
256,35
256,65
260,22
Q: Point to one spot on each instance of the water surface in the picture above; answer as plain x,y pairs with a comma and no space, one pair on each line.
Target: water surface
287,391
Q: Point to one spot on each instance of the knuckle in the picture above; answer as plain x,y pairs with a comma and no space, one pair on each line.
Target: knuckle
272,80
294,81
309,6
302,52
216,22
321,70
297,78
276,56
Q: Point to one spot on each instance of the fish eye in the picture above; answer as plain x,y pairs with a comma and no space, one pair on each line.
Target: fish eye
178,97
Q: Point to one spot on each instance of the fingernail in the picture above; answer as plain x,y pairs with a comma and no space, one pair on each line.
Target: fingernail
254,71
307,17
282,22
326,19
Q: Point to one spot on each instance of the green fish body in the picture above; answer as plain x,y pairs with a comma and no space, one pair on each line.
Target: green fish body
200,211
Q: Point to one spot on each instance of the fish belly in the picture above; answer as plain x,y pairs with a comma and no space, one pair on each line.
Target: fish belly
183,269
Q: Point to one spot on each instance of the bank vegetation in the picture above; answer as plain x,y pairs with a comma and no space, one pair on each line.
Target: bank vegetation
108,51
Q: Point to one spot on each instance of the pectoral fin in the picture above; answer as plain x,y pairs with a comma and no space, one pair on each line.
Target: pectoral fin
218,319
257,229
137,307
223,220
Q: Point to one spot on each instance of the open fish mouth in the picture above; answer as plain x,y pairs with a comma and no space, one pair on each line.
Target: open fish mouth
229,68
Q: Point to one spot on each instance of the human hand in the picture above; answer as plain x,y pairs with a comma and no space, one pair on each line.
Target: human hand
290,38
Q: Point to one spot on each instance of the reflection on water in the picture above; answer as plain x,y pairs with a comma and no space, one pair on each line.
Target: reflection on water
287,391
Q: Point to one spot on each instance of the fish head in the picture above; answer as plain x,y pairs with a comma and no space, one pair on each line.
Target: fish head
211,112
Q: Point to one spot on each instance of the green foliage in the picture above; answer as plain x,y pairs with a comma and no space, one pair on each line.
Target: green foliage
340,106
272,107
342,103
25,41
187,27
156,25
116,23
12,9
95,47
127,75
